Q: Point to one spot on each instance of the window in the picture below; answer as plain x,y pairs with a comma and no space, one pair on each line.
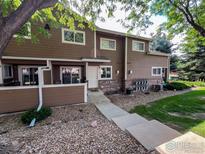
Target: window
107,44
156,71
25,31
28,75
106,72
138,46
73,37
7,71
70,75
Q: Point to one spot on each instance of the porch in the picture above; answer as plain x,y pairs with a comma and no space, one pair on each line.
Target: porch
25,83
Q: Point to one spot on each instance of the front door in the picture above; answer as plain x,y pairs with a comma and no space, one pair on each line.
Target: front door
92,76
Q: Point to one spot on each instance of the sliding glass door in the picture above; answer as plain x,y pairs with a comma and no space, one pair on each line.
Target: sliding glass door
28,75
70,75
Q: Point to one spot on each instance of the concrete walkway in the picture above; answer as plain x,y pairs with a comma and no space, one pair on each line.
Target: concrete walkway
149,133
105,106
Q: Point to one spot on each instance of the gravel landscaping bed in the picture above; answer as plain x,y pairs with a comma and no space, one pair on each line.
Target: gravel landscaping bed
68,130
127,102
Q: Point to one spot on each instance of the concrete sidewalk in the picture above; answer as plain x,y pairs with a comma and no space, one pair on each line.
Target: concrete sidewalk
149,133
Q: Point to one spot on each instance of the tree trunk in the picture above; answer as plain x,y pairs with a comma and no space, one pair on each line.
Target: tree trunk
11,24
5,37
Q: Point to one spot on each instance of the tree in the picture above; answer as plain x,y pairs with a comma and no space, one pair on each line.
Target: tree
192,66
16,13
174,60
181,14
161,43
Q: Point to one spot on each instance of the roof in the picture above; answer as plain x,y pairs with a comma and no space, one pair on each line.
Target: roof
122,34
158,53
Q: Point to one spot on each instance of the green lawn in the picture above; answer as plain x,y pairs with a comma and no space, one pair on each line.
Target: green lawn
179,112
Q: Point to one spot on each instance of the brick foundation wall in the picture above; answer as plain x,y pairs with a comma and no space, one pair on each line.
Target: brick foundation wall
114,86
130,83
110,86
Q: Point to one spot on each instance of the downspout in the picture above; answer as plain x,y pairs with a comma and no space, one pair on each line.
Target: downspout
40,88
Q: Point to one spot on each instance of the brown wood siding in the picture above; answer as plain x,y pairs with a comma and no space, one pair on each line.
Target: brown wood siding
47,77
18,100
56,74
116,57
24,99
63,95
24,62
52,47
141,64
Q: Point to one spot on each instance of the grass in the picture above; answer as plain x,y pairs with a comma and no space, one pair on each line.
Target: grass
178,111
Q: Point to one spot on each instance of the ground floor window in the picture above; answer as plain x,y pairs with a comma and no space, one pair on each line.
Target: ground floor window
7,71
156,71
29,75
70,75
106,72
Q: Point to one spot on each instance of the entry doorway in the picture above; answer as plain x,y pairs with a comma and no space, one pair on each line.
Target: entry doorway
92,76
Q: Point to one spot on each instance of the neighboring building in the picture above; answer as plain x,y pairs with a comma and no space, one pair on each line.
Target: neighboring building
108,60
173,75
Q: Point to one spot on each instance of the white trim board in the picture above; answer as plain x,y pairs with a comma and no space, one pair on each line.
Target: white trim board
56,59
95,45
1,73
17,87
37,58
96,60
64,85
126,57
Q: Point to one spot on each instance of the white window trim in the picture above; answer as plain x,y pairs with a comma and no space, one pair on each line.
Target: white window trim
107,39
157,74
70,42
8,77
105,66
134,41
29,30
61,73
20,73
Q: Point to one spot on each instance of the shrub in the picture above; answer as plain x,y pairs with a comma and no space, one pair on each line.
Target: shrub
155,88
176,85
28,116
193,83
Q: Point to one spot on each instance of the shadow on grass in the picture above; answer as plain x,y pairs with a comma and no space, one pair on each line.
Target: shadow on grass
178,111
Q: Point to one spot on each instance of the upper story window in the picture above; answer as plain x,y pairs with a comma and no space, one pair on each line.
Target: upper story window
138,46
156,71
7,71
25,31
105,72
107,44
73,36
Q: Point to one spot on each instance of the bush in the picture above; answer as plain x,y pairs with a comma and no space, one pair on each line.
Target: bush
28,116
176,85
193,83
155,88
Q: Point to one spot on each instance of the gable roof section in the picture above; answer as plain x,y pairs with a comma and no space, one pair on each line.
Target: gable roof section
158,53
122,34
